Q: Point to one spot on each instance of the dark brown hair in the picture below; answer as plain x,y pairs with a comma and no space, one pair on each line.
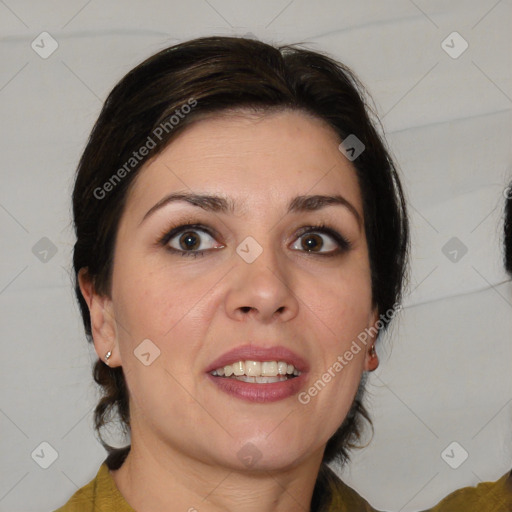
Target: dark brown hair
211,75
507,230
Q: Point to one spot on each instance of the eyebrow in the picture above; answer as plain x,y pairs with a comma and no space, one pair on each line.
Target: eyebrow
219,204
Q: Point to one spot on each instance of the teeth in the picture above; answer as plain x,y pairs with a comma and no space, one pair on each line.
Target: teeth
238,368
256,369
261,380
269,369
252,368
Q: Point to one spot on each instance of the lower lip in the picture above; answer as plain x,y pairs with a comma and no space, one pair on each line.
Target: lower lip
261,393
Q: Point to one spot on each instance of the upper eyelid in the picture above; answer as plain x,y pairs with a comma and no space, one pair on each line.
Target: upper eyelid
184,226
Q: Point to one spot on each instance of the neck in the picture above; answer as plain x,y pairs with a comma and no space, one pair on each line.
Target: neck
151,479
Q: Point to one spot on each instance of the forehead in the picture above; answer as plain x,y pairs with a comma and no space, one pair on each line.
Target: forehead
253,159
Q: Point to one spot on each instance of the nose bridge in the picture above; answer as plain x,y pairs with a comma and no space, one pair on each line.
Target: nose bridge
262,285
262,264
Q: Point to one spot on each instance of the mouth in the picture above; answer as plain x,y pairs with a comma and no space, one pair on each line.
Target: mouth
259,374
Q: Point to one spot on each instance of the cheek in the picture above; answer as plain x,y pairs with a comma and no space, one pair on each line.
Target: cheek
153,306
151,300
342,303
161,304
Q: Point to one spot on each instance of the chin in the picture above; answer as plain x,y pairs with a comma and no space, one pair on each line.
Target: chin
264,455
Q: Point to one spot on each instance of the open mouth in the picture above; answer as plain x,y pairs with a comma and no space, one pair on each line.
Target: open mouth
259,372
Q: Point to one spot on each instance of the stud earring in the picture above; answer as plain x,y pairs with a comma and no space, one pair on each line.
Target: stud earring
107,355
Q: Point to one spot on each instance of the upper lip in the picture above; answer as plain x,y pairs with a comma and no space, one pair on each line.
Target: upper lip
258,353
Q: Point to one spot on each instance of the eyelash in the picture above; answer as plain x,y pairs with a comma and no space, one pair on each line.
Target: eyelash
343,244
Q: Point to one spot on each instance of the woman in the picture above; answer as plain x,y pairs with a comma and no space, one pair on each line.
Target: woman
241,241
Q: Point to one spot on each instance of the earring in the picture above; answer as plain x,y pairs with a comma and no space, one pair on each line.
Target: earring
372,351
107,355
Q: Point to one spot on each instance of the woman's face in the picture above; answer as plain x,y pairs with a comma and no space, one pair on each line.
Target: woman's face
249,282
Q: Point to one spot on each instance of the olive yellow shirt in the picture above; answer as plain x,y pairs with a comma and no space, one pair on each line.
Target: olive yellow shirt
331,495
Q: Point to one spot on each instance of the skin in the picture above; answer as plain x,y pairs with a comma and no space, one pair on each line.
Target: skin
185,432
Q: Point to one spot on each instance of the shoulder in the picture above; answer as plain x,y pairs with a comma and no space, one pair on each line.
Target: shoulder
337,495
485,497
100,493
83,499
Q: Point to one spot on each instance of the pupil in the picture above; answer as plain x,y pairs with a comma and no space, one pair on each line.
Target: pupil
312,242
190,240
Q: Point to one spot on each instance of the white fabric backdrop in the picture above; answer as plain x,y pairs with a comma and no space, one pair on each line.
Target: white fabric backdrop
445,372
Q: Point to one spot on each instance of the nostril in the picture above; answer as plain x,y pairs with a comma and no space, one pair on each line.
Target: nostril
246,309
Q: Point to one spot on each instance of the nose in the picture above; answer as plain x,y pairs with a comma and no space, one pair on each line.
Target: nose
261,290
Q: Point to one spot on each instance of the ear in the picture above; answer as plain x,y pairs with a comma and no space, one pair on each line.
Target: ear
103,323
371,361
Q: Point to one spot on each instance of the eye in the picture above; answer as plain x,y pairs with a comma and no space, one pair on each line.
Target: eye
321,240
196,239
189,240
